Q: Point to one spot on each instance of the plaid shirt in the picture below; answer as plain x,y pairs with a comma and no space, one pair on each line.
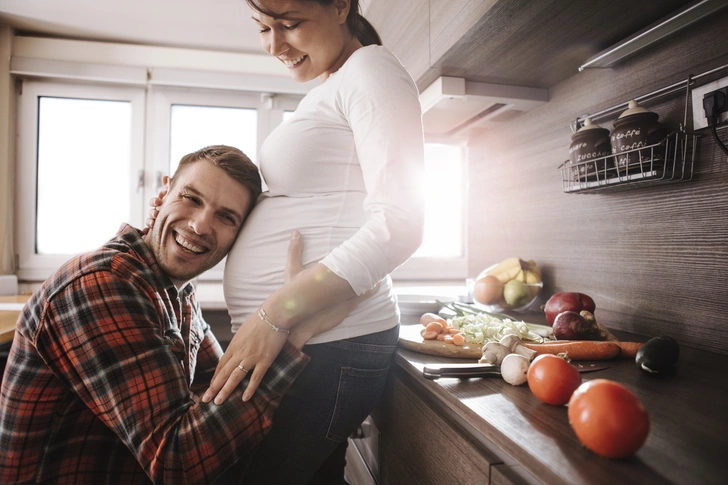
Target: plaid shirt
101,380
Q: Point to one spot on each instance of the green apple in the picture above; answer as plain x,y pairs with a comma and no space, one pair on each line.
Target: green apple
516,293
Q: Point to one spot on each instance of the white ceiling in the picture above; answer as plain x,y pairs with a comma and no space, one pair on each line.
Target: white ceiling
204,24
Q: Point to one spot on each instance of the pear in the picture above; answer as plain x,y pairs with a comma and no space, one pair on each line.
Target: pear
516,293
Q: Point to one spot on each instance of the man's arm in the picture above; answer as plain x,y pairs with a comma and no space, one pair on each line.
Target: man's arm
108,344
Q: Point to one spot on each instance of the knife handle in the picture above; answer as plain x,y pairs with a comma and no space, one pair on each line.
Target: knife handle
435,371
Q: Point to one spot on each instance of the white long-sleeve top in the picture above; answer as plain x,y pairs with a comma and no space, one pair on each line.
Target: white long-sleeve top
346,171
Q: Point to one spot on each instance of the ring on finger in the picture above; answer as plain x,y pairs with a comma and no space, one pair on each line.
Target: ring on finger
240,366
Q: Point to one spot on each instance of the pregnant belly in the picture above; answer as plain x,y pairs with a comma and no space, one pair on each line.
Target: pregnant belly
256,263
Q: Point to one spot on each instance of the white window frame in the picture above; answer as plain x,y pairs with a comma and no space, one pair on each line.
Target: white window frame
32,266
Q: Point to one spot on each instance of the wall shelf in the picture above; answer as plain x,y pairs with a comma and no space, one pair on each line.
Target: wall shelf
671,160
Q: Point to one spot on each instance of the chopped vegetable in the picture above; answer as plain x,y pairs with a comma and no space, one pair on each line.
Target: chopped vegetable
479,327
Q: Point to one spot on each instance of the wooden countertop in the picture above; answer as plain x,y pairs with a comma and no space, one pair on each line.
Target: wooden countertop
687,444
8,318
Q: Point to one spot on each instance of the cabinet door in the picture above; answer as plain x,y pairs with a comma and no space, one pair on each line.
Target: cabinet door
419,446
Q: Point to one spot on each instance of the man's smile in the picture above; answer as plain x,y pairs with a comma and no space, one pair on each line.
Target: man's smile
189,245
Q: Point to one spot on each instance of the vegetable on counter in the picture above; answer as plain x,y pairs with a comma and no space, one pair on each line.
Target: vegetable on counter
657,355
579,349
514,369
573,326
552,379
479,327
567,301
608,419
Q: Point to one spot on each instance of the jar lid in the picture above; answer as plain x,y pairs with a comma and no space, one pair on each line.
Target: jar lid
589,125
633,108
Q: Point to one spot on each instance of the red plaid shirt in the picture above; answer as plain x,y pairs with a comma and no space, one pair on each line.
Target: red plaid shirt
101,379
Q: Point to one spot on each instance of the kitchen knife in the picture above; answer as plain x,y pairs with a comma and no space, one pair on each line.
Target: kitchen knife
435,371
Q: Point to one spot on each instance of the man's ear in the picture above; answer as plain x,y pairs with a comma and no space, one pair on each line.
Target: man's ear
167,182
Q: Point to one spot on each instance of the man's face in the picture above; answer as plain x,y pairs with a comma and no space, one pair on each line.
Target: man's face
198,221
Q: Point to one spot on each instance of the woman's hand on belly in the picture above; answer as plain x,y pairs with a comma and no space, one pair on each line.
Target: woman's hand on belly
256,344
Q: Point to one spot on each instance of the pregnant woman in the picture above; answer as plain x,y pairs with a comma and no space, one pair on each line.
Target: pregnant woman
345,170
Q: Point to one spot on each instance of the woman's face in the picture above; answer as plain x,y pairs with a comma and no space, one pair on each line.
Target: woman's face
310,39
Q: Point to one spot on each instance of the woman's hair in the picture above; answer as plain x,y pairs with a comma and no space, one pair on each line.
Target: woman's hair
358,25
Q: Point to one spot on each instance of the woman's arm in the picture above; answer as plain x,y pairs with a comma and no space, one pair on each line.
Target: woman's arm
311,302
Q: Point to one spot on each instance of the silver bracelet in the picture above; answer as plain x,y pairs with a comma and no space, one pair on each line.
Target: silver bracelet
263,316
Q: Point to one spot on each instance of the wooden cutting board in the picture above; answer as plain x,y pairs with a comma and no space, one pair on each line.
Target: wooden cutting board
410,338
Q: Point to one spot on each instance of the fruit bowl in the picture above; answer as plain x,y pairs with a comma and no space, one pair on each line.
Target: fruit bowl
496,290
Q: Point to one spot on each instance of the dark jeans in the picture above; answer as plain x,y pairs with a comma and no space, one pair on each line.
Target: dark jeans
333,395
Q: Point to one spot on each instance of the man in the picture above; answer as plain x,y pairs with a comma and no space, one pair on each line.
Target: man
108,355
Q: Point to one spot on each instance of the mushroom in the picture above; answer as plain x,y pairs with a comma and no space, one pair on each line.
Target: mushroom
513,344
493,353
514,369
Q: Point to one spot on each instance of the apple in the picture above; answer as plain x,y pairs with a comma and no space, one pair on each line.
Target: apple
567,301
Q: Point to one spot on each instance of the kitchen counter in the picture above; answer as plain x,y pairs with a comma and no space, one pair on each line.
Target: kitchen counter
9,316
687,444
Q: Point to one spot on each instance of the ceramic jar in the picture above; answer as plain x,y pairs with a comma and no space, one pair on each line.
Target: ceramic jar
635,128
589,145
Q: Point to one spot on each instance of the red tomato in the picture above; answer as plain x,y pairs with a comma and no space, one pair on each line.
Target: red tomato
552,379
608,419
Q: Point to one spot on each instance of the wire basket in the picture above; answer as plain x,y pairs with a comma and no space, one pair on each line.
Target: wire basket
670,160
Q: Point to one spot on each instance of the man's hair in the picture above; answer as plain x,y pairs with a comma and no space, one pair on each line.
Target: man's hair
233,161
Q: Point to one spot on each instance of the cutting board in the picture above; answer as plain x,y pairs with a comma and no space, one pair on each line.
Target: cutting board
410,338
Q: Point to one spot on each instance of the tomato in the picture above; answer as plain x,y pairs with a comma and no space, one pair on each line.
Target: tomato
552,379
608,419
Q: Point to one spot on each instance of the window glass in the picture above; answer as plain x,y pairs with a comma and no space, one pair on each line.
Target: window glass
444,196
195,127
84,156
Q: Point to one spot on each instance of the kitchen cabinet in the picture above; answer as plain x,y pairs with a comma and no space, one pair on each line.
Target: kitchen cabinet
420,444
404,27
486,431
513,42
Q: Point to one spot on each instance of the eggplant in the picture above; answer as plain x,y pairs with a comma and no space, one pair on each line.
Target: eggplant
657,355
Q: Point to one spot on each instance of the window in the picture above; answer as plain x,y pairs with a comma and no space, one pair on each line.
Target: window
443,253
194,127
86,155
83,145
80,150
88,160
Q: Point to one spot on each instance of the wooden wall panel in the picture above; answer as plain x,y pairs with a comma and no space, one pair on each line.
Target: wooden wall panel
655,259
404,27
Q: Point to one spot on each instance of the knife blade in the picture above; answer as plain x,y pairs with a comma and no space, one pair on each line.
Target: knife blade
436,371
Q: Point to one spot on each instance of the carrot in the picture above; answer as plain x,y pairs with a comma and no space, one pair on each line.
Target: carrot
428,318
434,327
578,349
453,331
429,335
458,339
441,337
629,349
448,339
